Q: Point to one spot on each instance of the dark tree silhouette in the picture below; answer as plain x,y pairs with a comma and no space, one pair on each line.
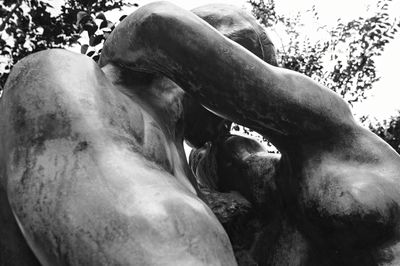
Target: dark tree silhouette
389,131
28,26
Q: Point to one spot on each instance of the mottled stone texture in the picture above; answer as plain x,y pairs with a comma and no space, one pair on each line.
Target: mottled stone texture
93,170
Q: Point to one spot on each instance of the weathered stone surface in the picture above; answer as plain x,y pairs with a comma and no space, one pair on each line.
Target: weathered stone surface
94,169
241,27
101,181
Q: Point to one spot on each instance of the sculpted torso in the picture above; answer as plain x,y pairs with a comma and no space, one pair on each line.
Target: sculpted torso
94,171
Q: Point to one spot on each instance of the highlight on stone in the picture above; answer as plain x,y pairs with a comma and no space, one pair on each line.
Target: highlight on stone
93,169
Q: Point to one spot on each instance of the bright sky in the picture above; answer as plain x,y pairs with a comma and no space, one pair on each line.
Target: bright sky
384,99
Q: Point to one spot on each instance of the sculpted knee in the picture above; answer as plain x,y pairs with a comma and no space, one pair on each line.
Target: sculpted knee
353,215
44,100
44,73
40,85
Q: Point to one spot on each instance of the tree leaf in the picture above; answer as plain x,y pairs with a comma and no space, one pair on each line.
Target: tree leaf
103,24
82,17
95,40
101,16
84,48
91,28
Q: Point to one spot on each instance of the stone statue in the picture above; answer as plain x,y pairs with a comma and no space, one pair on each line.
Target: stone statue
93,170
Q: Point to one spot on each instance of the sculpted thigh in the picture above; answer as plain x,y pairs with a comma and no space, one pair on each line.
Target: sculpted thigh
78,183
13,247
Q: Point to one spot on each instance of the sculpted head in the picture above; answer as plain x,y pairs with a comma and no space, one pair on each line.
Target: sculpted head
200,124
239,26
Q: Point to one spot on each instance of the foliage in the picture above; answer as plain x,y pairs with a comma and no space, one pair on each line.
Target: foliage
343,58
28,26
389,131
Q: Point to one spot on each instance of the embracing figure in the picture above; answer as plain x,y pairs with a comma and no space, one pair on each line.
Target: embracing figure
93,170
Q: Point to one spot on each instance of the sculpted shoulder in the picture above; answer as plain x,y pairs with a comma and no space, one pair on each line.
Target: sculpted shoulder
350,196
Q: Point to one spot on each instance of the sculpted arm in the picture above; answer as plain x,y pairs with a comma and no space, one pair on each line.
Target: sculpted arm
279,103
